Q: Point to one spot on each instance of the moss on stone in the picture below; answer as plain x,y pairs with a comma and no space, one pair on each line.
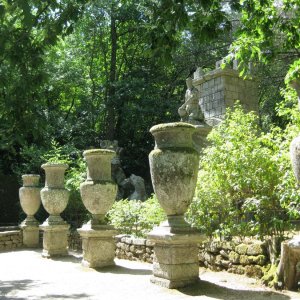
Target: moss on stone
98,151
241,249
270,275
161,127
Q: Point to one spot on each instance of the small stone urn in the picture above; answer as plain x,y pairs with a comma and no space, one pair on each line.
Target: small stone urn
30,201
98,194
288,272
55,199
174,169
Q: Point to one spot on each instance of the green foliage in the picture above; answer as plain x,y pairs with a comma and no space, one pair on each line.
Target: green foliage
245,181
136,217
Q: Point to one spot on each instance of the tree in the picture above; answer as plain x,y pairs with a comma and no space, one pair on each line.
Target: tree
27,29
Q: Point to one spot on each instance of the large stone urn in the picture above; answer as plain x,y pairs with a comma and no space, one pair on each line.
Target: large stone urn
30,201
98,194
289,267
174,169
55,199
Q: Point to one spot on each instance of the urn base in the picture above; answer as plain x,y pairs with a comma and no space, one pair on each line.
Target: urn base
175,261
30,235
98,245
55,240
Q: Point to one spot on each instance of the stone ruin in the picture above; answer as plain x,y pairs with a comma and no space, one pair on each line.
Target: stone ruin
219,89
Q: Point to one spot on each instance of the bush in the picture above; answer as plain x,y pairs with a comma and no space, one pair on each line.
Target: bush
245,182
33,157
136,217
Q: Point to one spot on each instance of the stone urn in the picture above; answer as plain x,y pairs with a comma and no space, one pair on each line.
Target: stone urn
30,199
54,195
174,169
98,192
55,199
288,272
295,145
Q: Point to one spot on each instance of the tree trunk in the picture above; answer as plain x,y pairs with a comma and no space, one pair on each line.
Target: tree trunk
111,95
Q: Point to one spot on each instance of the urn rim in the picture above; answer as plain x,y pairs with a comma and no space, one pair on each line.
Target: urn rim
175,125
92,152
54,165
30,176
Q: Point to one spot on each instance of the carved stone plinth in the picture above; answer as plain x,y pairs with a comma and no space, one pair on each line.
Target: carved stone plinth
30,235
55,199
98,245
55,239
176,261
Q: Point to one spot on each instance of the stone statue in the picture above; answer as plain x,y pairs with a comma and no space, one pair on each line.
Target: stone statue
190,111
132,188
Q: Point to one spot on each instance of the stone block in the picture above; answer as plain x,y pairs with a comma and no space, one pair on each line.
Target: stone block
241,249
30,236
171,254
55,240
176,272
98,252
139,242
234,257
256,248
253,271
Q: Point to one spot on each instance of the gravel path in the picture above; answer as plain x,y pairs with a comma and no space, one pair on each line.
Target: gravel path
26,275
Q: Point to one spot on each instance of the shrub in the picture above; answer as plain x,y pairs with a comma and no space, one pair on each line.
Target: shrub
245,180
136,217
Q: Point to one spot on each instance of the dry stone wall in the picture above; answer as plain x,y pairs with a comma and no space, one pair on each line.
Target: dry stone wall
10,240
247,258
235,257
134,248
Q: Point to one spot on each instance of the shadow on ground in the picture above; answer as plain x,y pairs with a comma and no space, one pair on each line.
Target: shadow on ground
10,288
123,270
208,289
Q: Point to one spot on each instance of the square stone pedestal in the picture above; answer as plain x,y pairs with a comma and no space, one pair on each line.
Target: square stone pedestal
30,235
98,245
176,261
55,239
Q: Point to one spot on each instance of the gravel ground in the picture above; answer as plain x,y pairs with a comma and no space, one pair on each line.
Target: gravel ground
26,275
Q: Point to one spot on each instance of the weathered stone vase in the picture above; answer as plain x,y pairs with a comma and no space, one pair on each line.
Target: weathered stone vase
174,169
54,195
30,201
98,194
55,199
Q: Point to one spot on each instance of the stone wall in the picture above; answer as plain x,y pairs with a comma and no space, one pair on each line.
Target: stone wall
220,88
235,257
134,248
247,258
10,240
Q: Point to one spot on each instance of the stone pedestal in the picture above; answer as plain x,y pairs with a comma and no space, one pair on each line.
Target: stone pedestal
176,262
98,245
55,199
98,194
30,201
30,235
55,240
